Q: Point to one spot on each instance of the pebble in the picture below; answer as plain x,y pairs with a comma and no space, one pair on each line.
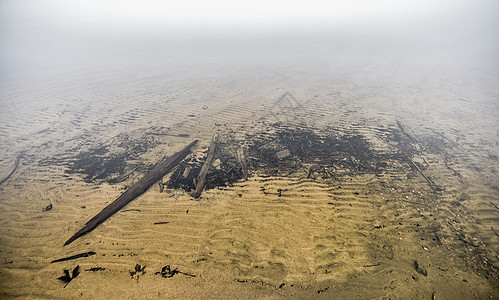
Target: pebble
283,154
420,268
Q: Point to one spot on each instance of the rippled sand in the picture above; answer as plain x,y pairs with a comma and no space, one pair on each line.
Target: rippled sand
352,236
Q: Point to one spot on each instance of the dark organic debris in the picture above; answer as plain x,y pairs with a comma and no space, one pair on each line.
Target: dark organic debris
48,207
67,278
495,206
372,265
284,151
95,269
402,129
132,209
420,268
206,166
167,272
161,222
113,161
432,184
138,269
161,169
85,254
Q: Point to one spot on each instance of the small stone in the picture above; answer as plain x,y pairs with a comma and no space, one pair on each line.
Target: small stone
283,154
420,268
217,164
388,251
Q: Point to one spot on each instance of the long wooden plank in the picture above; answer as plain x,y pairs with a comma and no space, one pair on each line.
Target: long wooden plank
204,169
160,170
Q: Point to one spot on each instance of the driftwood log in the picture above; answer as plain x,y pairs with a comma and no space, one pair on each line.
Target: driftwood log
161,169
204,169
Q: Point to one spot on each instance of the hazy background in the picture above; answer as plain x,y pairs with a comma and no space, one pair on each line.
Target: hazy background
48,38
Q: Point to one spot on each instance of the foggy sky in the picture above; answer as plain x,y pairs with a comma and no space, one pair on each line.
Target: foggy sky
47,34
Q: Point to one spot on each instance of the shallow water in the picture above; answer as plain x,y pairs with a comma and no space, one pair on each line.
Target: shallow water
408,173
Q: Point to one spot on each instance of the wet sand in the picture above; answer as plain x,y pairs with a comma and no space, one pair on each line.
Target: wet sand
356,235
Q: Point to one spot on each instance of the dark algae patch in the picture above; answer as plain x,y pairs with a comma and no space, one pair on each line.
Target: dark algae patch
112,162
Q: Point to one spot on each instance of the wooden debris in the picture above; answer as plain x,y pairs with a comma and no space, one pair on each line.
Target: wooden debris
405,132
16,164
161,186
372,265
132,209
242,160
95,269
161,169
182,135
85,254
204,170
187,170
433,186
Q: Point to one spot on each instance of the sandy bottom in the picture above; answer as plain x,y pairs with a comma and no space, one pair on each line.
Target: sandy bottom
352,236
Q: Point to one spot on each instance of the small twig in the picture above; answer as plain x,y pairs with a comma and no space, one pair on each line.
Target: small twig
86,254
183,135
16,164
491,203
430,182
373,265
405,132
